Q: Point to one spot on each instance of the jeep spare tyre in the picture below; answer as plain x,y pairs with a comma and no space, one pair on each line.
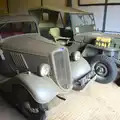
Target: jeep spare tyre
105,69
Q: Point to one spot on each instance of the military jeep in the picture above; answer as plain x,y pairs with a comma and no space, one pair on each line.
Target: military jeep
34,70
64,25
76,29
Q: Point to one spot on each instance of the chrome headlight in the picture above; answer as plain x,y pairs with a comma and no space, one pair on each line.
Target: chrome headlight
76,55
44,70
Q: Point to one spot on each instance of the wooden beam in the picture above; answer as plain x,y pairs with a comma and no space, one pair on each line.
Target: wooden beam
97,4
105,16
68,3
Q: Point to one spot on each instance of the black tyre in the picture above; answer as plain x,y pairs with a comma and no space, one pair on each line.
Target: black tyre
27,105
105,68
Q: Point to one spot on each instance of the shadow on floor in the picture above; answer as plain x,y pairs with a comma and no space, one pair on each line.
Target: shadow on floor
7,112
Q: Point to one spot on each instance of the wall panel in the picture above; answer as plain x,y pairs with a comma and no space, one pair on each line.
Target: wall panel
113,19
3,7
75,3
113,1
91,1
58,3
21,6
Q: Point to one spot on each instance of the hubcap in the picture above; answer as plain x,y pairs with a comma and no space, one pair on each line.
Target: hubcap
101,69
30,109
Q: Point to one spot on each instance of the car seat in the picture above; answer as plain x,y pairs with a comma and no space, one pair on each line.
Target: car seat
55,32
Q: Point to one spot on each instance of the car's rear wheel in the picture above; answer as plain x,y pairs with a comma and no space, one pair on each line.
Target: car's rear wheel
27,105
105,68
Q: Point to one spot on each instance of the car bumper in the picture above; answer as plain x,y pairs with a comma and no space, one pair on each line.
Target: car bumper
85,81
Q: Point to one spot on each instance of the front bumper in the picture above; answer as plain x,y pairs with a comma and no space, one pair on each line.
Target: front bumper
84,81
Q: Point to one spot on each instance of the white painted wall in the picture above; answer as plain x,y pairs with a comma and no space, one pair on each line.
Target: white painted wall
113,19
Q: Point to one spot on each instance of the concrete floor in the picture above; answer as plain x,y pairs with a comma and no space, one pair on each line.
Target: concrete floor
97,102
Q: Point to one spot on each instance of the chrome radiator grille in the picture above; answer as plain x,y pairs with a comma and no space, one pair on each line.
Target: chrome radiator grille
61,67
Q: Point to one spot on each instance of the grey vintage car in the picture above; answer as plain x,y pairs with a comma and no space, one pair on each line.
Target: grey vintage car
33,70
76,30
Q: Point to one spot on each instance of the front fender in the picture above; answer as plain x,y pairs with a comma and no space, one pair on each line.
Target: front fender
90,51
42,89
80,68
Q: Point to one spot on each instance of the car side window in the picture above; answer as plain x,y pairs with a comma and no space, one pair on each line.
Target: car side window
17,28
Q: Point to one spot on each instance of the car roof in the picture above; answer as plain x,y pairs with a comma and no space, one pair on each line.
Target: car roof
64,9
16,18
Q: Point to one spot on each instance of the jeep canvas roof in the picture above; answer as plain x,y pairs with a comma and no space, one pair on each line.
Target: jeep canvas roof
64,9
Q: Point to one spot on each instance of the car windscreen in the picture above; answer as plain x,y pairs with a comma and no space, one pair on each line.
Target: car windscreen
82,23
85,19
17,28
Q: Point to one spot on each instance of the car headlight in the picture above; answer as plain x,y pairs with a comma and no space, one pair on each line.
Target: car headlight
44,70
76,55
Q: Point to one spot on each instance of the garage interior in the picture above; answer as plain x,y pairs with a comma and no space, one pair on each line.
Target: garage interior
96,101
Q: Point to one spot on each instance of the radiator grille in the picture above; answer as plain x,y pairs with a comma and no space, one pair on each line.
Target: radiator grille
62,68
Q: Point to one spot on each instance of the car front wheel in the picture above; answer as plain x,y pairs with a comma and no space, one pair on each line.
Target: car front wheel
27,105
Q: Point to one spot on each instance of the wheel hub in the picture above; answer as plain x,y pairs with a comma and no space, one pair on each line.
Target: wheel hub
101,69
30,109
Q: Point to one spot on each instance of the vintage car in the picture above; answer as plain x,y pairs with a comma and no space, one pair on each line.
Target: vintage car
76,29
33,70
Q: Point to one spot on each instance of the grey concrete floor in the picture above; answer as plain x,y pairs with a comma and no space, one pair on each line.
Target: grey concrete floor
97,102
